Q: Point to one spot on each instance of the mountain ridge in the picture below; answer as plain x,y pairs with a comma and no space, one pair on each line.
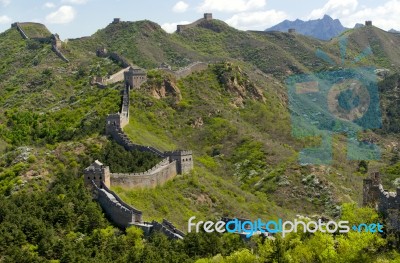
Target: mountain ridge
234,114
324,28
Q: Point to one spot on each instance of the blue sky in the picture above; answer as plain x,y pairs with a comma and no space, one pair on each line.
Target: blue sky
77,18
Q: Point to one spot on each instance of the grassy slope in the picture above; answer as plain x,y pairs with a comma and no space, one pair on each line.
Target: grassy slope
35,30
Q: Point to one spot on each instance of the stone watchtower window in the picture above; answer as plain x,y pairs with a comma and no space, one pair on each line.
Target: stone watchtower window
100,177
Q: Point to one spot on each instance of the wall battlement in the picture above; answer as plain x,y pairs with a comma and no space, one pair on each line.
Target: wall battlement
385,202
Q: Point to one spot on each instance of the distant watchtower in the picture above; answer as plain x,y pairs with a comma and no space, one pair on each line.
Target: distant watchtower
292,31
134,77
116,20
208,16
368,23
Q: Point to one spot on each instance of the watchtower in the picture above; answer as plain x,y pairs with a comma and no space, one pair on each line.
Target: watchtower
134,77
97,173
208,16
292,31
116,20
184,160
368,23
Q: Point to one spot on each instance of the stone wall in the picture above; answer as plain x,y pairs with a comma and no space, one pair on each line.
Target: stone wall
385,202
168,229
102,52
21,31
186,71
117,77
193,67
120,213
120,59
121,138
157,175
58,53
388,200
54,39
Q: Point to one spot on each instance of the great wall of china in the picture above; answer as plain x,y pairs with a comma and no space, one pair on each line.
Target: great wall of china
54,39
130,70
99,179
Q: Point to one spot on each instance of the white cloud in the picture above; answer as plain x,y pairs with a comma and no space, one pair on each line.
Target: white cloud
180,7
5,2
230,6
335,8
63,15
49,5
385,16
5,19
259,20
77,2
171,27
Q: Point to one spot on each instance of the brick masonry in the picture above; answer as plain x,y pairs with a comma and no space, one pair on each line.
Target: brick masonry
386,203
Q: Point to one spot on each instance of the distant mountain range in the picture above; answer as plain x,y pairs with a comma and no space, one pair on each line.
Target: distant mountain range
325,28
394,31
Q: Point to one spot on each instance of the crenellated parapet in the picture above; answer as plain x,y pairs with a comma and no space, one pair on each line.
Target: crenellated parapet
157,175
120,213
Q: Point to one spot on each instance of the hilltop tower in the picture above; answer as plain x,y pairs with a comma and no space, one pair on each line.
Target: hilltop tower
208,16
368,23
